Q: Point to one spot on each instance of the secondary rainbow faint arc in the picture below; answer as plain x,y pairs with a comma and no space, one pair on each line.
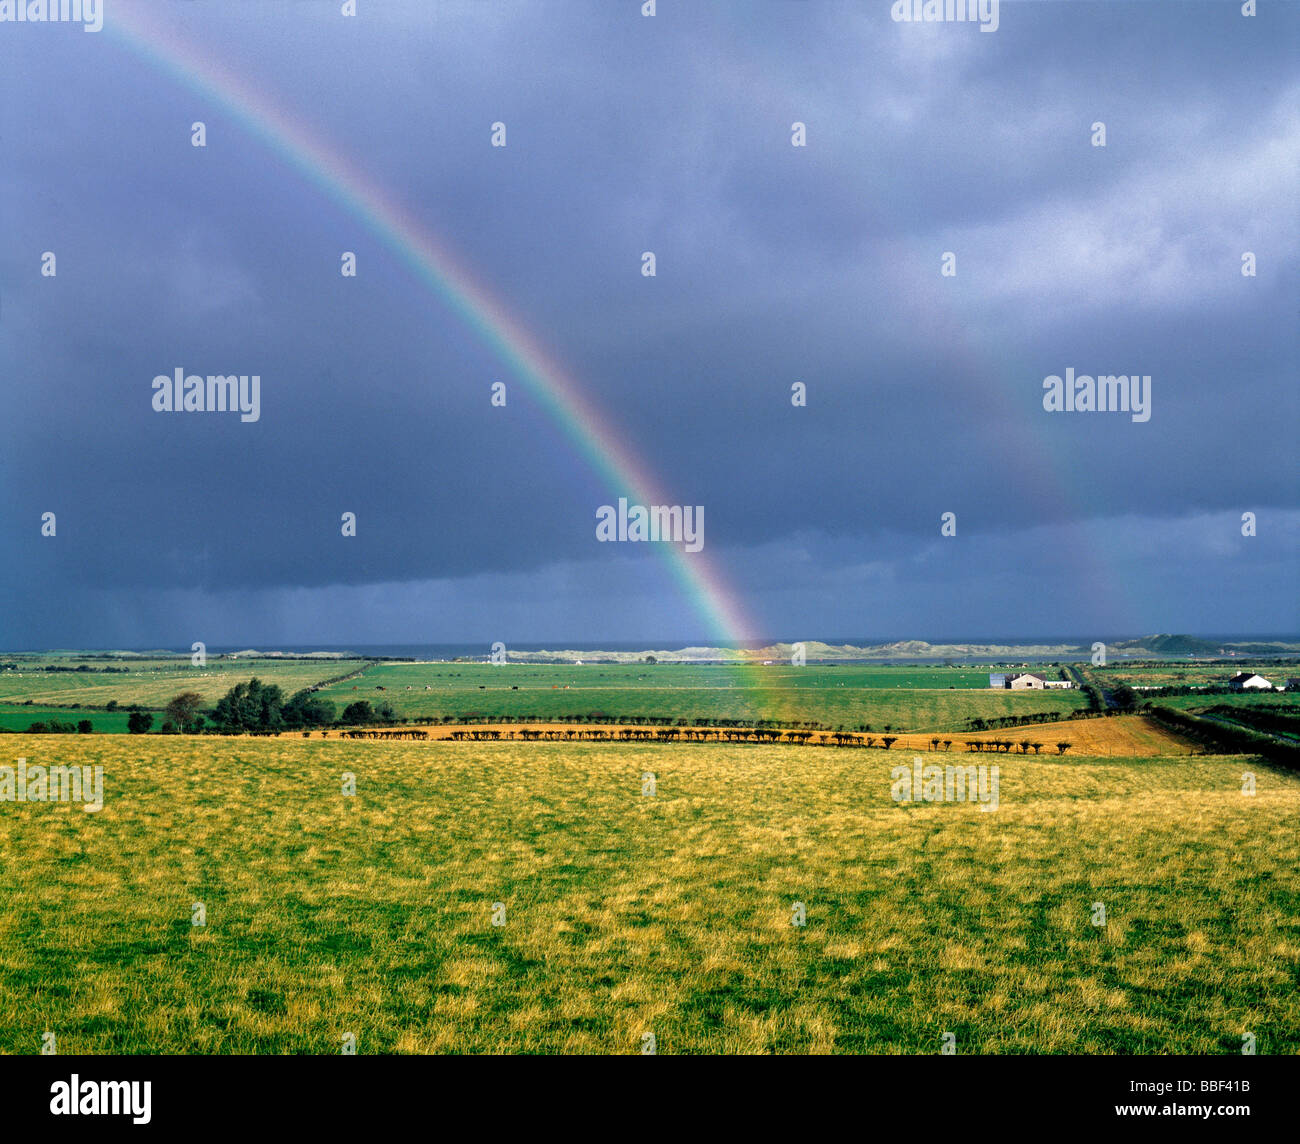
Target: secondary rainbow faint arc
558,394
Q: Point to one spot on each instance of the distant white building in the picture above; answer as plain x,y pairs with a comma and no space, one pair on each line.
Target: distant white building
1023,681
1248,681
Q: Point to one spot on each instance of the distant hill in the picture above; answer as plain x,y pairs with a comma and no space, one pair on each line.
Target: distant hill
1174,645
814,652
1147,647
1161,645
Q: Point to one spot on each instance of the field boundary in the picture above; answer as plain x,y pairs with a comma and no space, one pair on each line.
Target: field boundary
1119,735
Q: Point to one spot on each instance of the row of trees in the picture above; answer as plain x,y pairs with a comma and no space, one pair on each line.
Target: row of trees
596,717
1005,745
671,735
632,719
705,734
63,667
1274,720
1001,722
1223,737
60,727
256,707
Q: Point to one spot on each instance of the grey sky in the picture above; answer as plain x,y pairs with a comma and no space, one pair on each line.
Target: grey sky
776,264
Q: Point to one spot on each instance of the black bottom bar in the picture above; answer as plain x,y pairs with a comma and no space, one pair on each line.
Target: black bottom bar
335,1094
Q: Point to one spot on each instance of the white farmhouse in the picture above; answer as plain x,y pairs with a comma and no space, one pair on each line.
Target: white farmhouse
1248,681
1023,681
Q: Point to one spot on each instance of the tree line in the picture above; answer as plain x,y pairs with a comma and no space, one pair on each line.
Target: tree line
258,708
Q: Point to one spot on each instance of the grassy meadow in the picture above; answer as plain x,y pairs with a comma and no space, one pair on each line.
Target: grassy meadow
905,698
31,694
1189,674
627,914
902,698
152,683
21,717
1288,701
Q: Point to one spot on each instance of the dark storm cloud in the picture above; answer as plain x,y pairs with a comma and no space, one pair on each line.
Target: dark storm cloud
776,265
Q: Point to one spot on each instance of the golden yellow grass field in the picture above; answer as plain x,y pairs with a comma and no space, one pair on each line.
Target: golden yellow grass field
1116,736
628,914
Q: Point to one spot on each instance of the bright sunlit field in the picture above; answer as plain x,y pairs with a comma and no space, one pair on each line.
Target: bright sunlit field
627,914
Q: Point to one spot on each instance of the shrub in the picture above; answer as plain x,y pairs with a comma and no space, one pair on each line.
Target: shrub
359,712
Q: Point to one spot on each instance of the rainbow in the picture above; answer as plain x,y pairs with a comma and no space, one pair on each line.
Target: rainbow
608,452
558,394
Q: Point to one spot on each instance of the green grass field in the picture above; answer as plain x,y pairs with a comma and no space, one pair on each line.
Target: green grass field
19,718
152,683
1268,701
628,914
1194,674
903,697
940,699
